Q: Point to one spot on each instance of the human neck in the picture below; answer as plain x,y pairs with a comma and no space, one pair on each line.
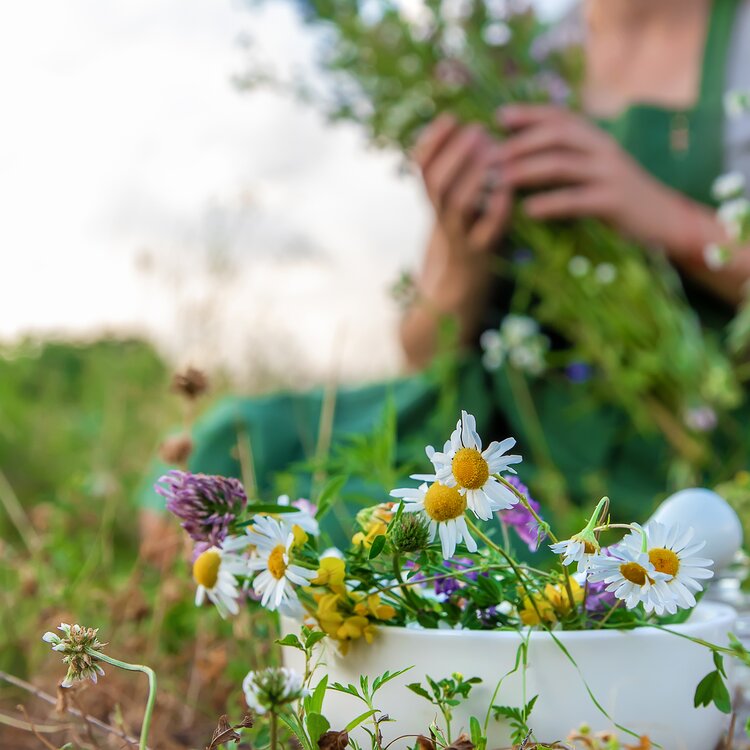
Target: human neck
636,14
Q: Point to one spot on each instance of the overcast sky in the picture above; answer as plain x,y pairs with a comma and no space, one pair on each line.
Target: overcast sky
129,158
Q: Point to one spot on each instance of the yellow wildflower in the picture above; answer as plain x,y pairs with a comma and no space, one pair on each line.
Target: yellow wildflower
551,604
373,606
331,573
374,522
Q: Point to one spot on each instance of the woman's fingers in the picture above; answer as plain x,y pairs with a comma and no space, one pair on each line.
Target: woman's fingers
569,203
456,157
433,139
549,168
516,116
490,226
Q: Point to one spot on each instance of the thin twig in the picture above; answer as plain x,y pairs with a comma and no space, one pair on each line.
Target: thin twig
33,730
11,721
29,688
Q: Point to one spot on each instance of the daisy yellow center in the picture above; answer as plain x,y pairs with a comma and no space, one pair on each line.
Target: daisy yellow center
276,562
206,568
588,548
634,573
664,560
470,469
443,503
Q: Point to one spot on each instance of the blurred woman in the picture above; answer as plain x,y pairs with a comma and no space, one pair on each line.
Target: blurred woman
644,160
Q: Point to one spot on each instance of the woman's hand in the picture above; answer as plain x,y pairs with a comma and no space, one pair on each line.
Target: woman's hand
459,166
576,170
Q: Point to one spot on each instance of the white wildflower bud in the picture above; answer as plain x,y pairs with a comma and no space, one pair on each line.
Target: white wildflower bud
728,186
605,273
78,646
716,256
516,330
735,217
496,34
271,689
578,266
736,103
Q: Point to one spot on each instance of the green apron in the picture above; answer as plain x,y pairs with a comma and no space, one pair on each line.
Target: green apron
594,449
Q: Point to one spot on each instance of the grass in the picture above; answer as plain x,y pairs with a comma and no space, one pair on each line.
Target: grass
78,426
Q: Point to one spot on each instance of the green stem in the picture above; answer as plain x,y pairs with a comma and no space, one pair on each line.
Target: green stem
606,617
526,504
408,595
514,567
151,689
274,730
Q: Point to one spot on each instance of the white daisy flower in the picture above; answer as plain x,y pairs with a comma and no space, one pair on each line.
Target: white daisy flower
444,507
672,551
578,549
215,572
630,575
728,186
463,464
304,517
277,577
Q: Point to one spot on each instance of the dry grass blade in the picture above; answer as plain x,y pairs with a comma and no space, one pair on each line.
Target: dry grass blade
34,730
61,703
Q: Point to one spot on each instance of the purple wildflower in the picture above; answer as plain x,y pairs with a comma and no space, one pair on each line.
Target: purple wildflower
520,519
449,584
206,504
578,372
598,599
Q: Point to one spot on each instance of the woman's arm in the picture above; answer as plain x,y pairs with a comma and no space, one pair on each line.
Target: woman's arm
586,173
458,166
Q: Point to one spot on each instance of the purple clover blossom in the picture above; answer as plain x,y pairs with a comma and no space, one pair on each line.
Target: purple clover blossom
206,504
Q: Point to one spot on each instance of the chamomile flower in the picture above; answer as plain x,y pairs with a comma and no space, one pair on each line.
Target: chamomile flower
583,546
673,552
462,463
215,571
277,575
578,549
444,507
630,575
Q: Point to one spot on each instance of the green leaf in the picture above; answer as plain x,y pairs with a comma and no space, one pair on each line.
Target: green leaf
298,731
378,545
475,731
719,663
330,490
378,682
315,703
317,725
712,689
290,640
356,722
315,637
417,688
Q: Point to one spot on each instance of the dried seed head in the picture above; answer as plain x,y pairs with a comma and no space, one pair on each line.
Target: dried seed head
78,645
176,450
191,383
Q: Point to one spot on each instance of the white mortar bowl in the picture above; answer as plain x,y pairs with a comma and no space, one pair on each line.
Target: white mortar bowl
644,678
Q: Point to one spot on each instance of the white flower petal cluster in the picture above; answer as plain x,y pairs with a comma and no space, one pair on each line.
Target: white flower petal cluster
656,566
277,575
462,463
517,341
464,479
79,647
304,517
215,570
728,186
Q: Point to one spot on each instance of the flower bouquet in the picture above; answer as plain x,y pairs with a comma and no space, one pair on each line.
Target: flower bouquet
621,310
457,609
